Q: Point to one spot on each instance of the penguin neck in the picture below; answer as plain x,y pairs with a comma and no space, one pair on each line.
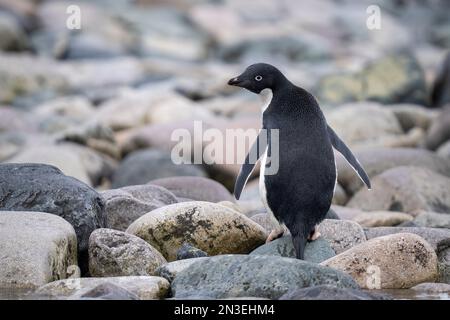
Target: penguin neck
266,96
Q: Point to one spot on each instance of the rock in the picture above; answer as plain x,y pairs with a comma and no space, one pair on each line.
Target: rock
171,269
382,218
394,261
114,253
315,251
406,85
433,287
411,116
341,234
439,131
264,221
210,227
363,123
188,252
256,276
36,248
43,188
327,292
440,91
437,238
432,220
109,291
125,205
331,214
195,188
346,213
143,166
339,197
73,107
405,189
444,150
13,37
378,160
144,287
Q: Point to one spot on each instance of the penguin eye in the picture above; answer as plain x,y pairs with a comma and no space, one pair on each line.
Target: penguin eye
258,78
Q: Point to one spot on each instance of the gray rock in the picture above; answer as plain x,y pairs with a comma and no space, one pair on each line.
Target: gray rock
377,160
255,276
315,251
12,36
114,253
341,234
187,252
444,150
440,91
145,288
195,188
327,292
43,188
142,166
125,205
432,220
433,287
35,248
439,131
109,291
170,270
405,189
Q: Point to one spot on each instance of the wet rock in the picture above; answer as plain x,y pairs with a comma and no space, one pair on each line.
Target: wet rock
405,189
256,276
188,252
125,205
36,248
341,234
212,228
195,188
114,253
145,288
394,261
143,166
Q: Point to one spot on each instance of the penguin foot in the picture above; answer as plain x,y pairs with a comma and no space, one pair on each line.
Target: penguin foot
274,234
314,235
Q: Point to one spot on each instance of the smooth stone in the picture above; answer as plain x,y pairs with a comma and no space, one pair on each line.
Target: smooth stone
439,131
142,166
405,189
114,253
125,205
257,276
195,188
433,287
328,292
43,188
188,252
315,251
36,248
411,116
382,218
432,220
109,291
341,234
144,287
170,270
210,227
377,160
395,261
444,150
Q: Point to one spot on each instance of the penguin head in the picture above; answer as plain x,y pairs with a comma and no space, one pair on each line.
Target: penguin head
258,77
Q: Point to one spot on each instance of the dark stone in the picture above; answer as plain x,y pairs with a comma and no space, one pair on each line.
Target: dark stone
440,94
44,188
187,251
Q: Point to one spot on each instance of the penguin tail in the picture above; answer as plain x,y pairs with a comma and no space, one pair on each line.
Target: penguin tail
299,240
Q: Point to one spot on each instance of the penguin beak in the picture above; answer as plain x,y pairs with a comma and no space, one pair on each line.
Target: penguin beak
235,81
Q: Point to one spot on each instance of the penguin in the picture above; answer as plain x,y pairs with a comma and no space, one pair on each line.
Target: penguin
298,195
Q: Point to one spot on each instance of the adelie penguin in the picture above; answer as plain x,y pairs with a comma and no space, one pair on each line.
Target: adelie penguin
299,194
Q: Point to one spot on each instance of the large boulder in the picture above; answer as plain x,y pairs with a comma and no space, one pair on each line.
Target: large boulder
377,160
43,188
125,205
253,276
36,248
141,166
210,227
405,189
395,261
114,253
144,287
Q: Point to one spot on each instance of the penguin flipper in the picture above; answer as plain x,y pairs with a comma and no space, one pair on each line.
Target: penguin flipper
340,146
256,151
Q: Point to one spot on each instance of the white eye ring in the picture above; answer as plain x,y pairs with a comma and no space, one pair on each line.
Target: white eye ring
258,78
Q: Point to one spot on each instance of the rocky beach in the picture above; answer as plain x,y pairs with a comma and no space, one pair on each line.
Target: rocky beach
93,205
